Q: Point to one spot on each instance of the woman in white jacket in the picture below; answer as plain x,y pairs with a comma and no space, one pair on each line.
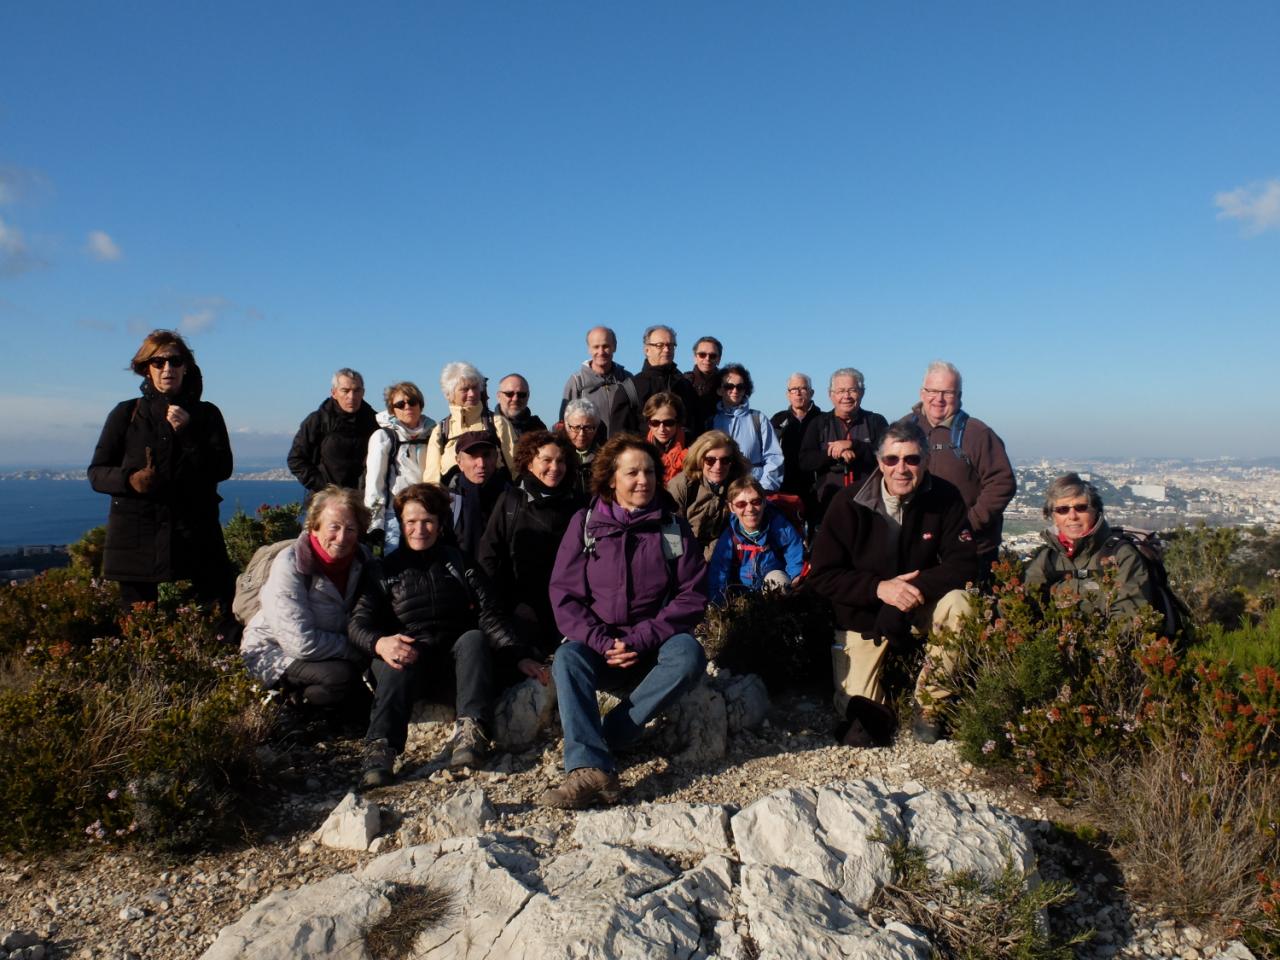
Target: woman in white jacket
297,641
397,457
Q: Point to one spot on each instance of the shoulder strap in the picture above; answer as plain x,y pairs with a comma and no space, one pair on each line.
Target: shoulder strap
391,461
633,395
957,436
755,420
442,438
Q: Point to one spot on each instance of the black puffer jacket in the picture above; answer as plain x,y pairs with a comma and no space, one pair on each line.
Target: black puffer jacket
415,592
519,549
331,446
172,531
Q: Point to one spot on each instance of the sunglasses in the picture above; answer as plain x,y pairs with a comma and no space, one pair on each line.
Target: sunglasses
655,424
1066,508
703,355
157,363
406,404
522,394
910,459
712,461
754,504
733,387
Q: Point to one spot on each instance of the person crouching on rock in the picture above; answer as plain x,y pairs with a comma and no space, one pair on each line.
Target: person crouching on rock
760,550
628,588
424,611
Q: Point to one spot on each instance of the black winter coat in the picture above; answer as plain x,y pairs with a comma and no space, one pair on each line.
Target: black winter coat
852,552
830,476
331,446
171,532
414,592
625,418
518,551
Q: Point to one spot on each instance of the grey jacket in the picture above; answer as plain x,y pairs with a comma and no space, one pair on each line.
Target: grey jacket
302,616
588,384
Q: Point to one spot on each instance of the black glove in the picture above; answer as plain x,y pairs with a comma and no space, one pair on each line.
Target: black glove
893,626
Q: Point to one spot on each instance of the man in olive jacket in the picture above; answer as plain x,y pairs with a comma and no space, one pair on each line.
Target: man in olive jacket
893,557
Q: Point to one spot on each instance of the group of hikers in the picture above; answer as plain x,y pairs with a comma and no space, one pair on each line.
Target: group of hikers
456,558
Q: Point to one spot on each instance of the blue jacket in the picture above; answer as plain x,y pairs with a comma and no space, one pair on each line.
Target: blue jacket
783,550
757,440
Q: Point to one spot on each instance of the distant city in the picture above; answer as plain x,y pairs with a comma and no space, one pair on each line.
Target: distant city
1152,494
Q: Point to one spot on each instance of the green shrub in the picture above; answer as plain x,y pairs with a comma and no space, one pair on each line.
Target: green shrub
245,534
146,734
1253,643
86,553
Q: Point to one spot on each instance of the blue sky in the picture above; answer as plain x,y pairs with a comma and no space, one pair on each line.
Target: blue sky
1079,205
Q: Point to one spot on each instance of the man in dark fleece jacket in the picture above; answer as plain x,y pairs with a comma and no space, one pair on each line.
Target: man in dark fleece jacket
333,441
658,374
893,557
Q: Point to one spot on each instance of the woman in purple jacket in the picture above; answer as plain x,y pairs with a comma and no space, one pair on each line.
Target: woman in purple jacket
629,586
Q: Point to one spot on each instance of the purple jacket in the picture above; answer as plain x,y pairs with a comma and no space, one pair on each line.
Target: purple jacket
623,589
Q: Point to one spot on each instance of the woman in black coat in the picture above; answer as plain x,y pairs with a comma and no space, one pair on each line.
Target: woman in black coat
161,457
519,546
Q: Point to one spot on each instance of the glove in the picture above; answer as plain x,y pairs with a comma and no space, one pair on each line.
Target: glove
893,626
144,480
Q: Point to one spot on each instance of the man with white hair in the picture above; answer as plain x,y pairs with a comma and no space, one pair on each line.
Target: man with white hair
332,442
790,425
968,454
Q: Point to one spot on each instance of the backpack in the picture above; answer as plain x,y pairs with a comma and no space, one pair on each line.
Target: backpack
392,465
1177,616
445,425
249,584
958,423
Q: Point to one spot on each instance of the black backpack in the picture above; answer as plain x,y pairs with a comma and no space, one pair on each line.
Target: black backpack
486,417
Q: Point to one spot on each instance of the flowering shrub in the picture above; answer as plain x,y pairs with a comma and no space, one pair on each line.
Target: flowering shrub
59,606
145,730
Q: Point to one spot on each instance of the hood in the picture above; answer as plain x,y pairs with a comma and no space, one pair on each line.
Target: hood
734,413
386,419
616,375
608,520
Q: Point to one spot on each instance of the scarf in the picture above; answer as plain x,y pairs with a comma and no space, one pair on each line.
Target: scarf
336,570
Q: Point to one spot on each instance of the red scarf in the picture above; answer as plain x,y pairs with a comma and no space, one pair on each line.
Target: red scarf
336,570
673,456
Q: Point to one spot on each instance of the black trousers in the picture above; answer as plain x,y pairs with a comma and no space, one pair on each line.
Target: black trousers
467,661
322,683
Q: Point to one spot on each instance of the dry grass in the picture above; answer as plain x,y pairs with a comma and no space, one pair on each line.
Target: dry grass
1193,830
414,908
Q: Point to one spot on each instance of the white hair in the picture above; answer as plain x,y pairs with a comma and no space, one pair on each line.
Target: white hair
456,373
848,372
808,380
350,375
944,366
581,407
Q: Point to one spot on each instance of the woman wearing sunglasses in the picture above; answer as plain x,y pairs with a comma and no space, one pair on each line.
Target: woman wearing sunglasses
1077,542
760,550
161,457
397,457
701,490
664,413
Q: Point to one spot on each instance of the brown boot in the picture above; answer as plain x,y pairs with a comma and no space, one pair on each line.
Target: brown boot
583,788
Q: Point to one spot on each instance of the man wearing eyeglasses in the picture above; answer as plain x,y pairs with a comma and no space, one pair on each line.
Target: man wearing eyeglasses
658,374
893,557
967,453
790,425
513,404
839,447
333,441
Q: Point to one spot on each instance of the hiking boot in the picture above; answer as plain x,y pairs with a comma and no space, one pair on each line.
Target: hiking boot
379,761
856,735
583,788
926,726
468,746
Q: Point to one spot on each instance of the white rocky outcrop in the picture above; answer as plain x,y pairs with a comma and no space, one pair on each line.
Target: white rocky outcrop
351,826
791,875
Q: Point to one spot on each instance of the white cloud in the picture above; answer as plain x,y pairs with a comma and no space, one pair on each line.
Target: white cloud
102,247
198,321
1257,205
15,255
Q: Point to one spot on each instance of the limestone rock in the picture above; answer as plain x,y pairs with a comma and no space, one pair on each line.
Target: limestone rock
792,916
464,814
695,729
351,826
428,722
825,835
675,827
959,833
746,701
321,920
522,713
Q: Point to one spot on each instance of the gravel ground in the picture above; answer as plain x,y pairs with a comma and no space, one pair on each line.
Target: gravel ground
107,904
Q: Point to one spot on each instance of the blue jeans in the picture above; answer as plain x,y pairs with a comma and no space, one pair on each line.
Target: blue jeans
655,682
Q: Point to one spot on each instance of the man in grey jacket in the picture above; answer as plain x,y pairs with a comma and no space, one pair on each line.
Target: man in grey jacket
599,377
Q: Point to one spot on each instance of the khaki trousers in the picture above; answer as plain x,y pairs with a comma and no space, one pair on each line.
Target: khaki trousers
857,663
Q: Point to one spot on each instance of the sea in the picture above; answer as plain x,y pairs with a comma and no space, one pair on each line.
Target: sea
57,512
